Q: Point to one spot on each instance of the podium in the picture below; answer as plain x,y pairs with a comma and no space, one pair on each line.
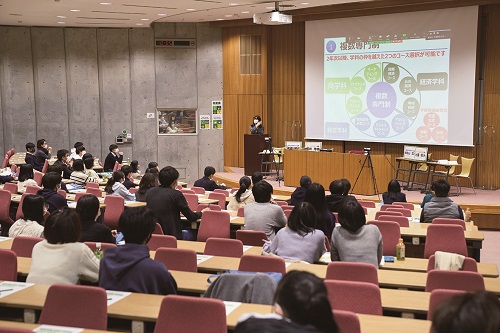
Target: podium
253,145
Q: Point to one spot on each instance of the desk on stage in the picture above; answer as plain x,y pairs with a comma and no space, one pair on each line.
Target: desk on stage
324,167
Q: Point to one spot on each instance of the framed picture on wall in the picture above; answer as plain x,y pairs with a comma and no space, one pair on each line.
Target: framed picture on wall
177,121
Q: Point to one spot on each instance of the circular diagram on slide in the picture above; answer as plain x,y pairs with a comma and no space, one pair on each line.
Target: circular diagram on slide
384,100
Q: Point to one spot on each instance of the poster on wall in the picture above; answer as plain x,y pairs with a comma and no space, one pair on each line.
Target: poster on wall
216,107
176,121
204,121
217,121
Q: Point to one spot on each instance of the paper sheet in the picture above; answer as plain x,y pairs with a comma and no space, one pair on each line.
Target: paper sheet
4,238
7,288
201,258
56,329
115,296
231,306
246,247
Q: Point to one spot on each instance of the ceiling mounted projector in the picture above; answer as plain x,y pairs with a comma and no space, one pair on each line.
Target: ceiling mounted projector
273,18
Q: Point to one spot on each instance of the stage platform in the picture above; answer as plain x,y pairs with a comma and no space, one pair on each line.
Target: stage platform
485,205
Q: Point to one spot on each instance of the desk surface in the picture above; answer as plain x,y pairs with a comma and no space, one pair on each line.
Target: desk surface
26,326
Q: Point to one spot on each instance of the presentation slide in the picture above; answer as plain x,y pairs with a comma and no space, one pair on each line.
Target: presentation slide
413,83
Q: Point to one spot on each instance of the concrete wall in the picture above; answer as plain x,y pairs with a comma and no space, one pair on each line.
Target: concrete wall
81,84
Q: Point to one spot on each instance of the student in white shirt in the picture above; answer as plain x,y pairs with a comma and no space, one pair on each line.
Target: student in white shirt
60,258
78,175
115,186
89,168
31,224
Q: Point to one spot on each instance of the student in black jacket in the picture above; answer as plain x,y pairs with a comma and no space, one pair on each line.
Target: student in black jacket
62,158
51,182
115,155
127,171
207,182
30,151
42,154
393,193
167,203
88,210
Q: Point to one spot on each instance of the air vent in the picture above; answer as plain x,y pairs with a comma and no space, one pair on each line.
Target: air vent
176,43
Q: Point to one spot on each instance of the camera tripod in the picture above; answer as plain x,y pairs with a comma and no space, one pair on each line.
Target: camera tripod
368,158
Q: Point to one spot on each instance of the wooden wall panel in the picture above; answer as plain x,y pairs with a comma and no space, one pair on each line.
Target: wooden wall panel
249,105
231,128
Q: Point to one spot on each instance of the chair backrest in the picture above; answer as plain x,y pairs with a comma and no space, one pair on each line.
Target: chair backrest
439,295
233,190
178,187
352,271
23,246
256,263
212,207
13,168
469,264
453,158
64,301
391,233
384,207
281,203
251,237
443,220
218,196
11,187
19,212
287,213
446,238
187,191
347,321
5,198
404,211
14,330
158,230
158,241
241,212
192,200
32,189
456,280
37,177
116,167
79,195
5,162
185,314
327,244
104,246
380,213
406,205
8,262
45,166
214,224
198,190
94,191
62,192
114,208
466,166
358,297
225,192
177,259
367,204
401,220
224,247
92,185
286,207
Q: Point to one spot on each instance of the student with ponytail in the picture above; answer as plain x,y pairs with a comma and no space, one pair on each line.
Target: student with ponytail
244,195
115,186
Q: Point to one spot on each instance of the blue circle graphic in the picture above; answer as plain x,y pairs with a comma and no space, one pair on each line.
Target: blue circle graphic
331,46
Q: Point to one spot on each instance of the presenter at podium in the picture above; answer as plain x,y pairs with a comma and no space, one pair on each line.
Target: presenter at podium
257,127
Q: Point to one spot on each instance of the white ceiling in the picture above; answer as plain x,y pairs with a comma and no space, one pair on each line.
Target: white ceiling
138,13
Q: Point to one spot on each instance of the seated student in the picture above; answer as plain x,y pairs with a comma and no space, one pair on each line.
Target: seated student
393,193
51,182
115,155
30,154
79,152
299,193
42,154
89,168
325,221
79,176
207,182
60,258
257,177
88,211
31,224
115,186
354,240
427,198
243,196
299,240
26,175
301,306
73,151
136,173
467,313
58,169
262,214
149,180
153,165
167,203
347,186
336,197
441,205
127,171
62,160
128,267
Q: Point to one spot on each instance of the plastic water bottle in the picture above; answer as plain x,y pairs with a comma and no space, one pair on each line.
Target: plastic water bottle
400,250
467,215
98,251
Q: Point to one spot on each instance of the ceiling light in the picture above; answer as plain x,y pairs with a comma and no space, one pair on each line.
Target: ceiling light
190,9
74,10
228,15
162,14
220,19
139,24
144,19
105,3
61,16
304,3
233,4
245,12
61,22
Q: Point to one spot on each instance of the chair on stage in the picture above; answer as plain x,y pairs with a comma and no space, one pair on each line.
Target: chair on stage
465,174
453,158
224,247
158,241
186,314
446,238
357,297
177,259
391,233
251,237
75,306
261,264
